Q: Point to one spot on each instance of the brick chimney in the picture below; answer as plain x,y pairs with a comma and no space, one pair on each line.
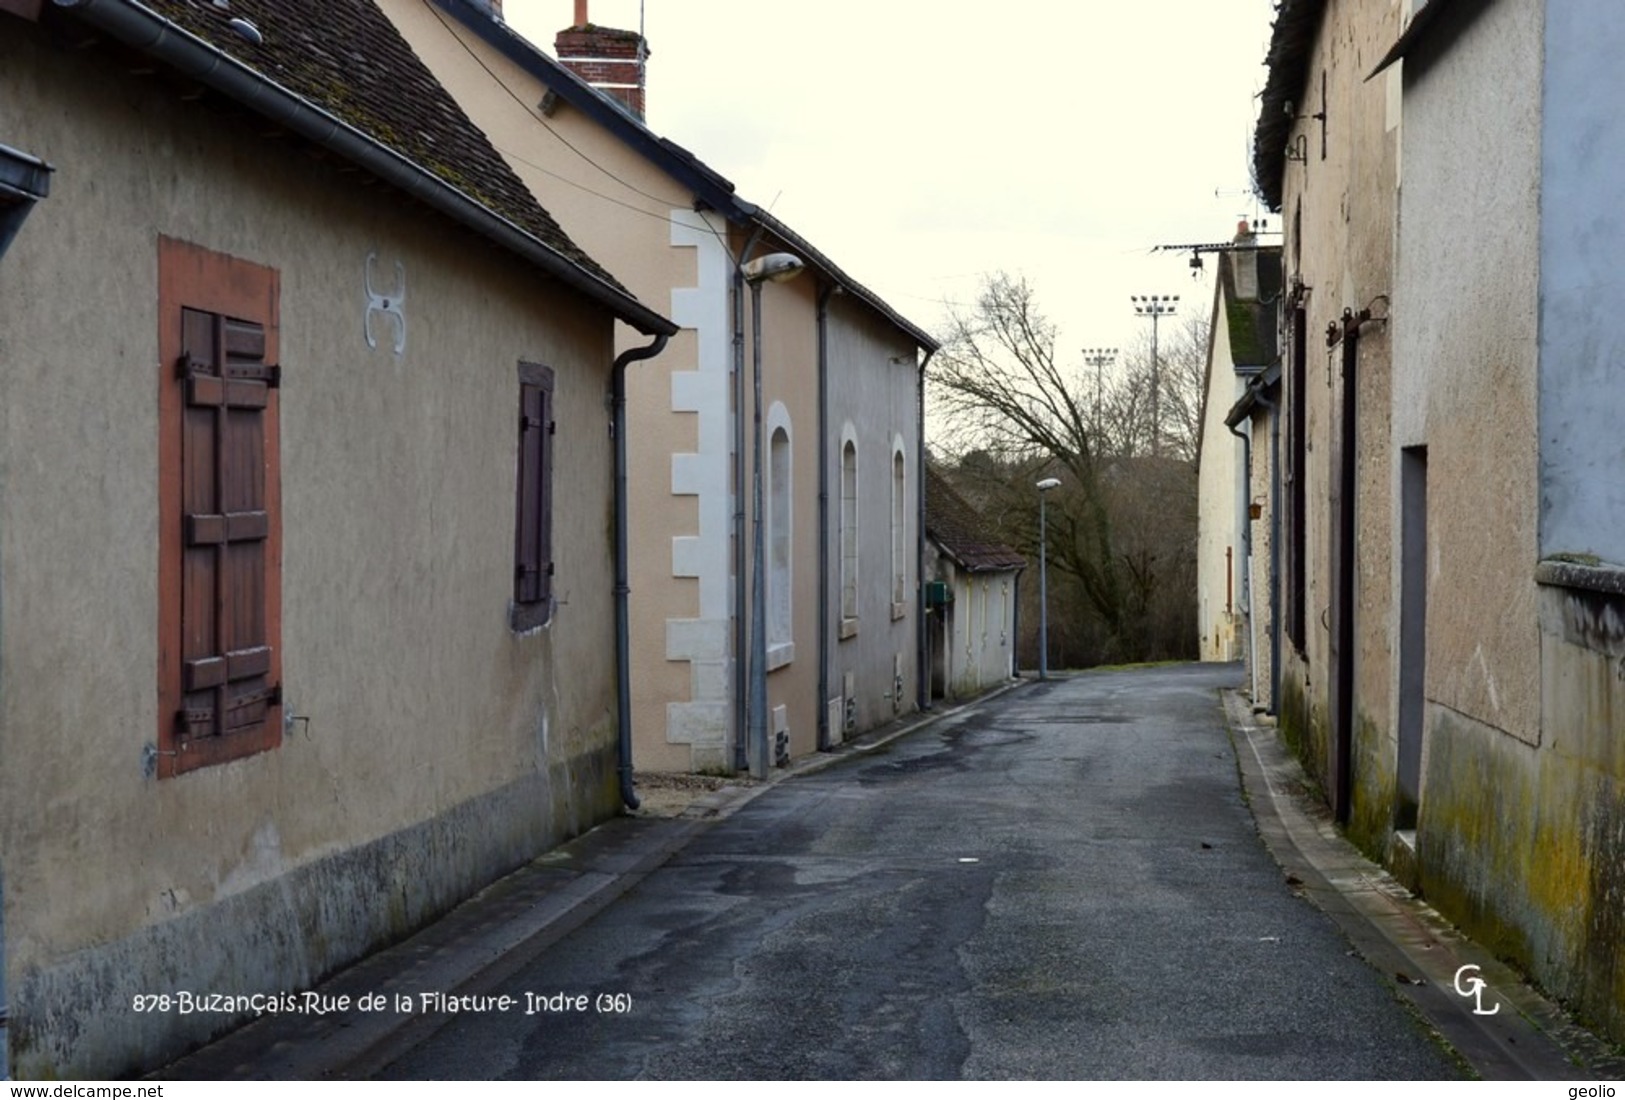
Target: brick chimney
1244,263
611,61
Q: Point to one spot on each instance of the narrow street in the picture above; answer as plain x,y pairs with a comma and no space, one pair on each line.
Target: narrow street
1064,882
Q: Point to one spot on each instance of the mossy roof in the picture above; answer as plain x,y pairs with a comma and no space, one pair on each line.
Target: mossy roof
958,528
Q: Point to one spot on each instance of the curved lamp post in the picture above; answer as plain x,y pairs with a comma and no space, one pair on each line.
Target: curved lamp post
1043,578
775,267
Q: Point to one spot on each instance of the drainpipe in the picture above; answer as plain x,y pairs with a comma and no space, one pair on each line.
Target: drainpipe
1247,547
1275,548
623,590
24,180
823,514
922,678
741,598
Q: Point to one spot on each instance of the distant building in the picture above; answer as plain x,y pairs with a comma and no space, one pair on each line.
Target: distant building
971,585
1236,487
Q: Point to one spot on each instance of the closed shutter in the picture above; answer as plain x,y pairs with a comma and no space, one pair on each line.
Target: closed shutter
533,540
227,691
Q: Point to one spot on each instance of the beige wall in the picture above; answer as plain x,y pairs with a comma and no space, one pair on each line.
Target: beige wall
440,748
790,379
640,224
1341,248
1220,596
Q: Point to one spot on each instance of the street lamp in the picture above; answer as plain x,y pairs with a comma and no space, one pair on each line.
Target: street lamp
775,267
1043,578
1155,307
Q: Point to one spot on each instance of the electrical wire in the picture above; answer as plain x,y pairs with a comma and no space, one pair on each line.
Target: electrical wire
548,126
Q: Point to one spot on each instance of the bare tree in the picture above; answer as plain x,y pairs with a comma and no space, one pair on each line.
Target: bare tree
1015,413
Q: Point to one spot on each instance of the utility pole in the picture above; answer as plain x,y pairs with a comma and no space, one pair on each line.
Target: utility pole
1156,308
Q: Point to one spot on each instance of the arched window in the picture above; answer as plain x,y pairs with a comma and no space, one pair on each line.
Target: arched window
849,533
778,536
899,532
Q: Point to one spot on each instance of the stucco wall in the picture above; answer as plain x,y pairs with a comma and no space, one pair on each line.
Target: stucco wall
1339,209
874,391
1220,600
441,749
1582,284
640,224
790,380
1466,291
1519,837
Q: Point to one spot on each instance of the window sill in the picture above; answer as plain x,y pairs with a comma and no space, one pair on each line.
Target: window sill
780,655
1601,577
848,629
899,610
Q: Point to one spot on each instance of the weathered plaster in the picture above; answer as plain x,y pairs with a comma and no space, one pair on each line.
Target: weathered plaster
440,747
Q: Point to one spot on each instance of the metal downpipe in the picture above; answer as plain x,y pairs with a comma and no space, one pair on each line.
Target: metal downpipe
922,675
1247,544
1275,550
623,588
823,515
741,760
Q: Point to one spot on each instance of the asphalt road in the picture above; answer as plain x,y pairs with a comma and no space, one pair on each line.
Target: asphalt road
1061,883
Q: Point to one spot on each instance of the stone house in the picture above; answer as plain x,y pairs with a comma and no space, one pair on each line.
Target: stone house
1451,236
973,594
306,501
840,398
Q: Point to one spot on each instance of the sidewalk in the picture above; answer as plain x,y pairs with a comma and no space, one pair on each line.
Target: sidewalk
1526,1038
494,934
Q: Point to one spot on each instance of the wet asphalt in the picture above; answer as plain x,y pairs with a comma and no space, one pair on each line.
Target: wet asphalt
1061,883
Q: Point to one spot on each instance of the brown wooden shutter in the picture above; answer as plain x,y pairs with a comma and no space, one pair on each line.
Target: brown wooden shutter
226,683
533,541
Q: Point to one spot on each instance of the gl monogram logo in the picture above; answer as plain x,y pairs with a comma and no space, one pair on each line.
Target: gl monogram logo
1474,988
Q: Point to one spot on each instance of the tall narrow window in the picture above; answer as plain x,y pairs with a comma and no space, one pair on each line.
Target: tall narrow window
219,582
849,537
899,534
533,503
778,518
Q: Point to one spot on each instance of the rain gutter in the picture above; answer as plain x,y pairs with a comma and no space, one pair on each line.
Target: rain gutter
741,756
828,292
922,675
623,588
24,180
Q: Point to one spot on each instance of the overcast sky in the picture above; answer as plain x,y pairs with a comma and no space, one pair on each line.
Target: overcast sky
922,143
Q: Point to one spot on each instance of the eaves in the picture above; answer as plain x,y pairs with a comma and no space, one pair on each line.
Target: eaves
711,190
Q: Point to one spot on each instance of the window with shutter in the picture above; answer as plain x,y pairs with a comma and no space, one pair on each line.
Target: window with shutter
219,505
533,505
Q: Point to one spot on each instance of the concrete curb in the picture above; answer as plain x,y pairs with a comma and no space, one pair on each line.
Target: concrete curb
1527,1037
479,945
